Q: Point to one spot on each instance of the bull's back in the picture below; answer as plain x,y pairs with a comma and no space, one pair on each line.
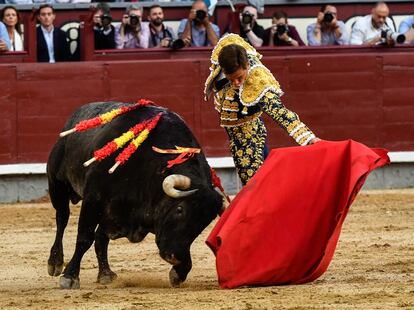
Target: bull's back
69,153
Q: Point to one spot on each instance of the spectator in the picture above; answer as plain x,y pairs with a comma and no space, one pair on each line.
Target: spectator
407,28
104,31
327,30
368,29
69,1
160,35
4,38
281,33
52,44
18,1
250,30
197,30
132,32
11,18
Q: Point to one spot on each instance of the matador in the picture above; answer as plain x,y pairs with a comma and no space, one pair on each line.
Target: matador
240,106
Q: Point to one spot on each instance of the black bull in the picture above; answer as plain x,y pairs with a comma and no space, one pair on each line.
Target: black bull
133,201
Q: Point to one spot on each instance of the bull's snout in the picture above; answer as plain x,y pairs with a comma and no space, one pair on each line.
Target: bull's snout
170,258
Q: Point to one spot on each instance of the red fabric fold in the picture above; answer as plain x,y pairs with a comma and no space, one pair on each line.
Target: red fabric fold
283,226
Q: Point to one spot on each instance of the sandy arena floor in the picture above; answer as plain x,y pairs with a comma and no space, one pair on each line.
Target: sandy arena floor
373,267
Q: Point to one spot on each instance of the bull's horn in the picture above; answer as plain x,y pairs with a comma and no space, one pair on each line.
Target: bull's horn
180,181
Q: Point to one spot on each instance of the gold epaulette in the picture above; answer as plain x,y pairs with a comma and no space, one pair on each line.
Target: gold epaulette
258,83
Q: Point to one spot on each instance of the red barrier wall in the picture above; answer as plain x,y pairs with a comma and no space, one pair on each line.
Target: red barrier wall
363,94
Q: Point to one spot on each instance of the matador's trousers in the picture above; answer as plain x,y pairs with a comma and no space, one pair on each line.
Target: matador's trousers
247,145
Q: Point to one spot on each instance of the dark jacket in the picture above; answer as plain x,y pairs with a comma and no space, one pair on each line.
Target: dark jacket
60,46
257,30
293,33
104,41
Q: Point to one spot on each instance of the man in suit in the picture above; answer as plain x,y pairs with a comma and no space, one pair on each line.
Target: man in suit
52,45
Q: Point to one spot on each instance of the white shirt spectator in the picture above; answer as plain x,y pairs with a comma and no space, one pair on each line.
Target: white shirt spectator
49,42
17,44
364,31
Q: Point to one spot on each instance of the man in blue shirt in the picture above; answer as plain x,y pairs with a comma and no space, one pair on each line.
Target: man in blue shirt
407,28
327,30
4,38
197,30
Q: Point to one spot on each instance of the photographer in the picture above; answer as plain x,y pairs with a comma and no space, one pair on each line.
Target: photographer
104,31
132,33
160,35
282,34
407,28
249,29
197,30
327,30
374,29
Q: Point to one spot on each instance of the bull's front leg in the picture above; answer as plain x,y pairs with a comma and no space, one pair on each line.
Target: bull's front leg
88,220
105,275
179,272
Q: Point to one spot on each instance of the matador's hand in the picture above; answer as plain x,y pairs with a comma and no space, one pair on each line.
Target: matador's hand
313,141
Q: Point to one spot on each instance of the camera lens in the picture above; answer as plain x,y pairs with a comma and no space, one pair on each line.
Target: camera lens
281,29
177,44
328,17
200,15
106,20
133,20
247,18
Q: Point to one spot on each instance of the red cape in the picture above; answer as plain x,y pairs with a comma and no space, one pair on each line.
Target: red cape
283,226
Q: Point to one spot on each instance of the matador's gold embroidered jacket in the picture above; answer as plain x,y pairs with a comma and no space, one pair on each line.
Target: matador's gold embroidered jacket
259,93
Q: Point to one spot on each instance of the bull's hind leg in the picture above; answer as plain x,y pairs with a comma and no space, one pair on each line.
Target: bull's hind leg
105,275
60,201
88,220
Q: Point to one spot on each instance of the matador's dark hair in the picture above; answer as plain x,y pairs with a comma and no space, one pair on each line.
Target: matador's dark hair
233,57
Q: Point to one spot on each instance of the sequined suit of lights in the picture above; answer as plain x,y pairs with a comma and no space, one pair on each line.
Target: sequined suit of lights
240,109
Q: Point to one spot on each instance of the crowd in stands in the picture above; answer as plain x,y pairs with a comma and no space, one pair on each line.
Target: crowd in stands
197,29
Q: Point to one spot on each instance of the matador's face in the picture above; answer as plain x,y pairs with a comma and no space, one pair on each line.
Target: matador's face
238,77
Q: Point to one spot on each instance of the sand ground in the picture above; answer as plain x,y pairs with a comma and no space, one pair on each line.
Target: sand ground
373,267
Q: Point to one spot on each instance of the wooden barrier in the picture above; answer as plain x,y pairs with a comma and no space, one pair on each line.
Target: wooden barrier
361,93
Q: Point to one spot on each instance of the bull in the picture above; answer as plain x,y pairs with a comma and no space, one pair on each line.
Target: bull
140,197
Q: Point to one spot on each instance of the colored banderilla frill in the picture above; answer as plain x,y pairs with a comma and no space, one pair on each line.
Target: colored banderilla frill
135,143
119,142
104,118
217,183
185,154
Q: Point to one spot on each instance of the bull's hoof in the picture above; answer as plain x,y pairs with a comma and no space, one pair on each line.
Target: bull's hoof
54,270
106,277
175,280
69,283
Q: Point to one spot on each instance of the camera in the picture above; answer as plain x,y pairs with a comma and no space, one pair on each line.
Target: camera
106,20
176,44
200,15
247,18
281,29
389,34
328,17
133,20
